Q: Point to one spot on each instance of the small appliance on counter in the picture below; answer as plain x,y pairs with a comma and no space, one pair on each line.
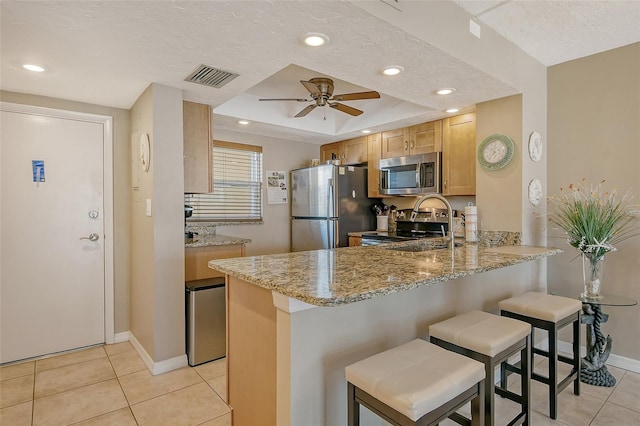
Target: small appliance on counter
188,212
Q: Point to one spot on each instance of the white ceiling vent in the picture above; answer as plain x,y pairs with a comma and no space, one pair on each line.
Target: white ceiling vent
212,77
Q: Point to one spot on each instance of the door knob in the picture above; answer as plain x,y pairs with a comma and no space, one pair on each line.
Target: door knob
92,237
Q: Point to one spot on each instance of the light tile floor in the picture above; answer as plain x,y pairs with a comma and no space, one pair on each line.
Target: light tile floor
110,385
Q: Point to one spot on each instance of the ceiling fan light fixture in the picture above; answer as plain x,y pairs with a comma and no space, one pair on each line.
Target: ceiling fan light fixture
315,39
392,70
32,67
452,110
243,122
445,91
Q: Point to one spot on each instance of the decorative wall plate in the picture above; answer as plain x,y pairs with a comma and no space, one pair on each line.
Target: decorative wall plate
535,146
495,151
535,191
144,151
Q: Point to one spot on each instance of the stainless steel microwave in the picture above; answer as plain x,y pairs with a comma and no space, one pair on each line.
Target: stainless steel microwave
411,175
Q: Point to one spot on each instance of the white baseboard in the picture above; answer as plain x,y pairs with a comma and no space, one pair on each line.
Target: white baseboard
614,360
121,337
157,367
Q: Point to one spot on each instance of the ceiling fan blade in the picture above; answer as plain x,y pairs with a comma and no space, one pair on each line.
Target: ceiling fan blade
287,99
312,88
306,111
356,96
345,108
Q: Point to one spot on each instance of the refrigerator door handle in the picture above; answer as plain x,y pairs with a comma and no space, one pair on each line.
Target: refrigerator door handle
329,211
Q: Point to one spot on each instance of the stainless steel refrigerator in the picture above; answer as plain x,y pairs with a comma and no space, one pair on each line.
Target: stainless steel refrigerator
328,202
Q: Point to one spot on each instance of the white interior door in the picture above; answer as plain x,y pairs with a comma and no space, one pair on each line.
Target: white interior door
52,287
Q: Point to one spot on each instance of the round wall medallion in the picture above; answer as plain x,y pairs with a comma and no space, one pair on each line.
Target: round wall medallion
535,146
144,152
535,191
495,152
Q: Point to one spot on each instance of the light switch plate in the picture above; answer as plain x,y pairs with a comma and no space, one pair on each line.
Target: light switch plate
148,207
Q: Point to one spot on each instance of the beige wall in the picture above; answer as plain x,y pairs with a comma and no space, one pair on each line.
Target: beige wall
274,235
594,133
142,235
157,242
121,179
168,220
498,192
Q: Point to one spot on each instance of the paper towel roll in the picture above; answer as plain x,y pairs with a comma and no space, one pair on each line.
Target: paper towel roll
471,222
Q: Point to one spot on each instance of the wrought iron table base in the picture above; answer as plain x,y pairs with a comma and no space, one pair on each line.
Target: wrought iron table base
593,370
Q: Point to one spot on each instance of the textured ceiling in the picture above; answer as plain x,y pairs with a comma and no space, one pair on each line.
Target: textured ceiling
108,52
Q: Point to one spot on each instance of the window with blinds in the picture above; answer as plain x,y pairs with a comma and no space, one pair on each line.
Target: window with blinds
237,185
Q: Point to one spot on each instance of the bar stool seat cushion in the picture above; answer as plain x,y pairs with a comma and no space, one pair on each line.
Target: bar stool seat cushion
543,306
481,332
415,378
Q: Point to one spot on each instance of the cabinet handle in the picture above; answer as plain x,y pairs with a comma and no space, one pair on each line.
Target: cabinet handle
406,145
413,144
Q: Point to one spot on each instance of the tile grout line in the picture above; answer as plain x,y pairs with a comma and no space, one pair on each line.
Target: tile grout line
122,389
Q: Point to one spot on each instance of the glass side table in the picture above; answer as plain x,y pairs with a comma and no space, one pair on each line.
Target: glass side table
593,370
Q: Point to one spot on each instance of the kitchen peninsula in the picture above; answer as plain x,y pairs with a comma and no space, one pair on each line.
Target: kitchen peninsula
295,320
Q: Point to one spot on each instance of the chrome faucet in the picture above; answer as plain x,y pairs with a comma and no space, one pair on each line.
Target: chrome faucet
451,238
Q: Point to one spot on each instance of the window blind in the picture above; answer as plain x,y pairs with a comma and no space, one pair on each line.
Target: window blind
237,185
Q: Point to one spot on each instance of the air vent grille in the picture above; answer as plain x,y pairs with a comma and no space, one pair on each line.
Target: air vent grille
210,76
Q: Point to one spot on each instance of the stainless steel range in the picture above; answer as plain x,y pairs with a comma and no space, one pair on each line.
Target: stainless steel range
427,223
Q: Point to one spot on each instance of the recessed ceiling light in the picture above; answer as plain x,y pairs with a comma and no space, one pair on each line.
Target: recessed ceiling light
243,122
453,110
366,131
445,91
31,67
315,39
392,70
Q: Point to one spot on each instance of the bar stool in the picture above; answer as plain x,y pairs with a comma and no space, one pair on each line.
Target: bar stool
550,313
415,384
490,339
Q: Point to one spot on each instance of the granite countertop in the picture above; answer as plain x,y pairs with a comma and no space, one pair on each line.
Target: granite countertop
347,275
206,240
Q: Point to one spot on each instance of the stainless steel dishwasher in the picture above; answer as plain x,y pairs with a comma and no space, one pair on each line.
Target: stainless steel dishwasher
205,320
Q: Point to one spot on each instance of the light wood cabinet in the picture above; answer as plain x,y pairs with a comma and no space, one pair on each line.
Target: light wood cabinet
373,165
458,155
395,143
419,139
355,241
330,151
350,151
425,137
196,260
196,122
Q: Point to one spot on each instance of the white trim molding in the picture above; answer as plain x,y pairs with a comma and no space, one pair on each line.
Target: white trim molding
157,367
121,337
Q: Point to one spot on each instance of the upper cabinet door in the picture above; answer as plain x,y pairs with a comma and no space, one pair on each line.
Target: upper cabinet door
425,137
331,151
355,150
395,143
459,155
196,122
